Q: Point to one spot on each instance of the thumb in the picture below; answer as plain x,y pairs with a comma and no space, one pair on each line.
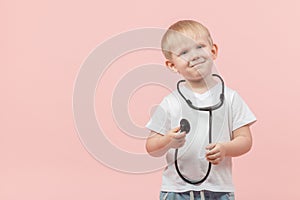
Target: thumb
175,130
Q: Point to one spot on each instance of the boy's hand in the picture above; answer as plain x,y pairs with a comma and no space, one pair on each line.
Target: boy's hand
216,153
177,139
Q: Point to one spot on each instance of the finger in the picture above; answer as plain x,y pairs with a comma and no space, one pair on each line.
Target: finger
182,143
213,152
180,135
210,146
213,156
216,161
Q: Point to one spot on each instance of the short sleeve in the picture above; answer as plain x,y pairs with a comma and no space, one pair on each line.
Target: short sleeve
160,121
241,113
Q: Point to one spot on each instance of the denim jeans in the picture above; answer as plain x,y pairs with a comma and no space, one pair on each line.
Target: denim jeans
196,195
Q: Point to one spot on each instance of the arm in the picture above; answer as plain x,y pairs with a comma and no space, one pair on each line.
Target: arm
239,145
157,145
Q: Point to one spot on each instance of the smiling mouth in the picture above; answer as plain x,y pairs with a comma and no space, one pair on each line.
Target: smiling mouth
198,63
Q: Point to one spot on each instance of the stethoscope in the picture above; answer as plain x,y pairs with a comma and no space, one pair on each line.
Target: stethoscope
185,126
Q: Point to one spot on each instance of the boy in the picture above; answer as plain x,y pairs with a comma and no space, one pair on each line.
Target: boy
189,50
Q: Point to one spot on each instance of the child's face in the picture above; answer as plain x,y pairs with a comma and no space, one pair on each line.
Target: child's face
193,59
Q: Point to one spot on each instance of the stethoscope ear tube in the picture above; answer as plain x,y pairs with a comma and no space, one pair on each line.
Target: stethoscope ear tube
208,108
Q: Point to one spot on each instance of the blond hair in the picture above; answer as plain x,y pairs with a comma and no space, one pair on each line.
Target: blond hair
187,28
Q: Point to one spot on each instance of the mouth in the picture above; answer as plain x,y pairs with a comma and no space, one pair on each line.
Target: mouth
198,63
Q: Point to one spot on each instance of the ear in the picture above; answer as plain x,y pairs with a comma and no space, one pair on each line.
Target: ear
214,51
171,66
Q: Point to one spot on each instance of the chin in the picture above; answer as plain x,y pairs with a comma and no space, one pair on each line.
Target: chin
194,78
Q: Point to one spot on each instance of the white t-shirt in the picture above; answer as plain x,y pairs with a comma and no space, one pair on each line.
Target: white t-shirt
233,114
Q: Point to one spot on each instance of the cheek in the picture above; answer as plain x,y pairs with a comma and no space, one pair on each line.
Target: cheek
209,64
181,63
208,53
184,59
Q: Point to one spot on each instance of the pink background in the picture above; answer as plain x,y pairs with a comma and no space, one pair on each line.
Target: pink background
43,44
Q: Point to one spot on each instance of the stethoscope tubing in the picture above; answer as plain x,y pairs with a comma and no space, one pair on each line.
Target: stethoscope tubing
209,109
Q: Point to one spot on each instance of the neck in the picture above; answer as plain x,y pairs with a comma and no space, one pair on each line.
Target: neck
201,86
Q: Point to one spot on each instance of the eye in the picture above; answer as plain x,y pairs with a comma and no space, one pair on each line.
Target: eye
199,47
183,52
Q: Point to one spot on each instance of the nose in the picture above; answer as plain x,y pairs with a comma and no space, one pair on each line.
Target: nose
194,57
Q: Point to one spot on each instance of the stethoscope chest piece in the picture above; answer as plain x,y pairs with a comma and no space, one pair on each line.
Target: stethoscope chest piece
185,126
